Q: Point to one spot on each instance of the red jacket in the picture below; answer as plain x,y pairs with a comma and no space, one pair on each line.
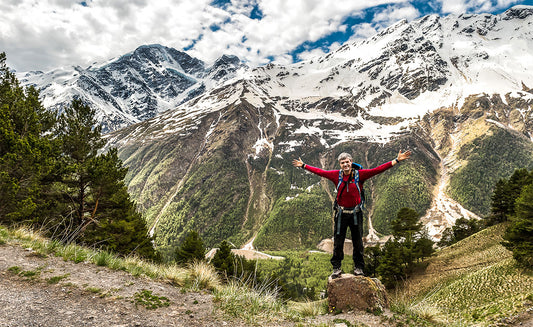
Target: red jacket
350,196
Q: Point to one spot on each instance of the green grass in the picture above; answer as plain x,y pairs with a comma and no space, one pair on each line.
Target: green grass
149,300
57,279
475,281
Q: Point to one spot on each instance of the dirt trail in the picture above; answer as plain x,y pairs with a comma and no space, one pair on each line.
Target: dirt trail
88,295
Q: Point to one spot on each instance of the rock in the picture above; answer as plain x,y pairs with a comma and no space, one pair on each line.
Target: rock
326,245
349,292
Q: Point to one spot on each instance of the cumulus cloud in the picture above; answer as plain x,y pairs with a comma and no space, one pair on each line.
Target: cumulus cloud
47,34
474,6
392,14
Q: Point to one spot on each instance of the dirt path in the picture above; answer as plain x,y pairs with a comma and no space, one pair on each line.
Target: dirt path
84,294
88,295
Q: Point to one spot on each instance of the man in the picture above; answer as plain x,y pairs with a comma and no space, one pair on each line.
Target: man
349,181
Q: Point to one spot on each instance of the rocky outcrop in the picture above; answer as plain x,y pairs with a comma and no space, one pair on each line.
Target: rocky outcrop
349,292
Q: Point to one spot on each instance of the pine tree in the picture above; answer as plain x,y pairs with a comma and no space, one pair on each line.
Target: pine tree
27,152
519,235
409,244
406,224
81,140
103,213
224,259
373,256
500,203
505,194
391,268
118,226
192,249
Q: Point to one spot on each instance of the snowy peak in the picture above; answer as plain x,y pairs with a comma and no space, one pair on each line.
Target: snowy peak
412,68
135,86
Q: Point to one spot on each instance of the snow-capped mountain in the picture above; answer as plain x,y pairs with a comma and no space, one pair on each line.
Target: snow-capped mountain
134,87
456,90
412,68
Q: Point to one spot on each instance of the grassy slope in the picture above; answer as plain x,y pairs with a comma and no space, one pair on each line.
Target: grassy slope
488,158
472,282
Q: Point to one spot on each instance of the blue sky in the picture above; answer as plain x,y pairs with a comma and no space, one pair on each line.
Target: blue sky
48,34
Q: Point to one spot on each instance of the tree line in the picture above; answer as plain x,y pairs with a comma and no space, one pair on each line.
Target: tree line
56,177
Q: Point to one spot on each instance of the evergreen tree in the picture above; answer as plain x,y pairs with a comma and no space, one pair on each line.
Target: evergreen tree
406,224
447,238
505,194
224,259
373,256
192,249
27,152
409,244
232,265
118,226
102,212
519,235
423,245
500,203
81,140
465,227
391,267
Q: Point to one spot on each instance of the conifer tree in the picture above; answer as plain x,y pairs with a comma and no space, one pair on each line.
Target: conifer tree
519,235
505,194
224,259
192,249
27,153
410,243
102,212
81,140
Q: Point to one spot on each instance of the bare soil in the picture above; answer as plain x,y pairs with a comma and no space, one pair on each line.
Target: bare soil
88,295
48,291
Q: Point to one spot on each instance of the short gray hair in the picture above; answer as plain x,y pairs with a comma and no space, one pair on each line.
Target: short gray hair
344,155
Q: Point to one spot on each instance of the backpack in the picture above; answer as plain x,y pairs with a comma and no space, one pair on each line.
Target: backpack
355,178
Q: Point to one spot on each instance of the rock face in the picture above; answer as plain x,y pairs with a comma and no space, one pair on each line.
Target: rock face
349,292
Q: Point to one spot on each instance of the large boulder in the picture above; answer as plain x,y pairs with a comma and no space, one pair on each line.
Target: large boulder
350,292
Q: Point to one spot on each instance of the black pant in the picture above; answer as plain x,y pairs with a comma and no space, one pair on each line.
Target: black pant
347,220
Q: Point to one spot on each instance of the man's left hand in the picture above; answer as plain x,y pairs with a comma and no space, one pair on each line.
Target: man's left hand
403,155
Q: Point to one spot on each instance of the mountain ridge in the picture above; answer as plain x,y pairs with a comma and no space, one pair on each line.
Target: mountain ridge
219,162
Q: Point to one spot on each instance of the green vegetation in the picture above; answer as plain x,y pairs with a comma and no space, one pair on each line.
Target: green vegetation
192,249
27,274
518,236
460,230
404,186
52,176
232,266
57,279
302,274
475,281
488,158
149,300
299,223
212,204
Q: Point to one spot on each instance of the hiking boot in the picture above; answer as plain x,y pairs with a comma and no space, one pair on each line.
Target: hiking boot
336,273
358,272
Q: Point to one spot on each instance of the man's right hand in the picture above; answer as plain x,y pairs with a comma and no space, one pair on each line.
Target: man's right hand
298,163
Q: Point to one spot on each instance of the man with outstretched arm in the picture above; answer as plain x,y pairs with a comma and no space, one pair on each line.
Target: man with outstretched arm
348,204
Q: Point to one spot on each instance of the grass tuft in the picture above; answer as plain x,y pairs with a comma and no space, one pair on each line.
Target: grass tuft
309,308
203,276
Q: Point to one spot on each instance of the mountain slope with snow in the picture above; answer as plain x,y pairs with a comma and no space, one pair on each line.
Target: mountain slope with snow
455,90
137,86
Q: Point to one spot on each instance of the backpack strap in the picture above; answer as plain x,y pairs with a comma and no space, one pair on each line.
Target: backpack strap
353,177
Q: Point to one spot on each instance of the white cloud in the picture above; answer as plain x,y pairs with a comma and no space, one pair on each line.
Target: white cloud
46,34
393,14
474,6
